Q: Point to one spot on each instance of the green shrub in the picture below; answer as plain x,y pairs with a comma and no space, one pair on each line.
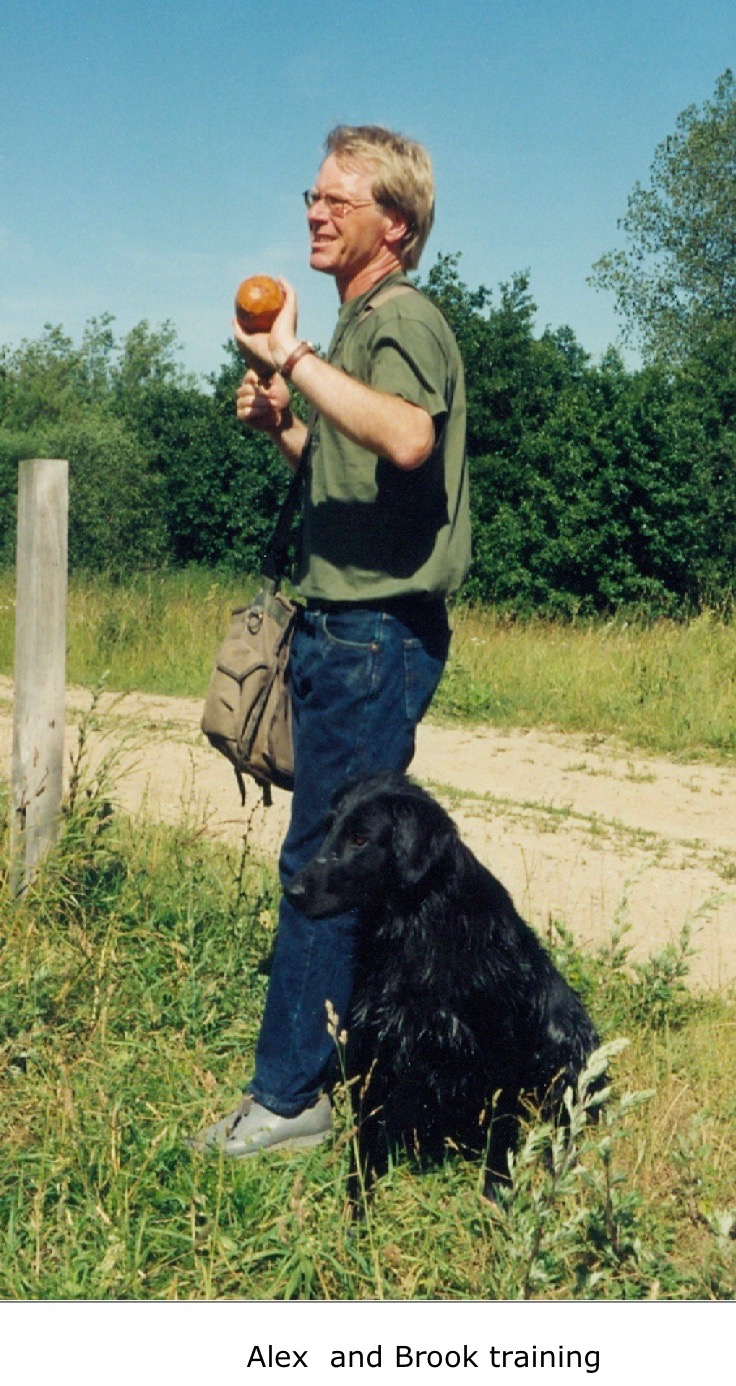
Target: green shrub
115,513
15,446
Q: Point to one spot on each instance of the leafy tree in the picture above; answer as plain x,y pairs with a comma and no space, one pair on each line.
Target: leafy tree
116,519
40,381
222,486
706,390
14,446
676,279
592,487
145,368
62,400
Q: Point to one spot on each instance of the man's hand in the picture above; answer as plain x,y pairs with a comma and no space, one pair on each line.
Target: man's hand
263,403
267,351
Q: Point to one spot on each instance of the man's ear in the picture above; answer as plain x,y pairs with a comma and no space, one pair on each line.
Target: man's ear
418,845
397,231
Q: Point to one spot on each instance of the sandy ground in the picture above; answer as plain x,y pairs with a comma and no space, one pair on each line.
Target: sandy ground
578,828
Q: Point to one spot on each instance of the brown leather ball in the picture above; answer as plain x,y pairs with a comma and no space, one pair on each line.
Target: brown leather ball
258,301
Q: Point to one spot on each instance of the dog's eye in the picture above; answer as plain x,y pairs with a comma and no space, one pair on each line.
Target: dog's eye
359,839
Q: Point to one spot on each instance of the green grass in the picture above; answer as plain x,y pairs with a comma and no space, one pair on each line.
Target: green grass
665,687
132,978
155,632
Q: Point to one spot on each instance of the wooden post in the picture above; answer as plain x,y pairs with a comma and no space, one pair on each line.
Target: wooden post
40,663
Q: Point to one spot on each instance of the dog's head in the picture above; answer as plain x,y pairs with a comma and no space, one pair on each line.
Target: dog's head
386,835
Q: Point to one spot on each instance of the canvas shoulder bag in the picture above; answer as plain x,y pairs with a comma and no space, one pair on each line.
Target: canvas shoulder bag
247,710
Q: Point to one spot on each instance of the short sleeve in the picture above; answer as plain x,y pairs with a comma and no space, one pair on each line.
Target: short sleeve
407,360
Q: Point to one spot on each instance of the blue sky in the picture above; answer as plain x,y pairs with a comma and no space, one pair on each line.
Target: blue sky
153,154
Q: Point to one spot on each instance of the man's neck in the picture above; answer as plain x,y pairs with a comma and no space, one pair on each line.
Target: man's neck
365,279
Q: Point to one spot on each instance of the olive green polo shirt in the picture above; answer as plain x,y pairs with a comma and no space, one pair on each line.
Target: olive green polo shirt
369,529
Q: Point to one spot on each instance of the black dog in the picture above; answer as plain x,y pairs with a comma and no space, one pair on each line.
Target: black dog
459,1015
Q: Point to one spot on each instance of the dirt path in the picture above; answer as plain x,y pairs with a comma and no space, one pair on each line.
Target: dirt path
576,827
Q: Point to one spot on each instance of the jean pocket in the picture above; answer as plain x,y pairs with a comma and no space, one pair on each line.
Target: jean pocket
356,630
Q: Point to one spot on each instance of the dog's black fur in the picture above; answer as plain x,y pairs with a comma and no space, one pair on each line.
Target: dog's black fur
459,1015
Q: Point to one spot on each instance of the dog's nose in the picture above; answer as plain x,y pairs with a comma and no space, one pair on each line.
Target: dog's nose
296,890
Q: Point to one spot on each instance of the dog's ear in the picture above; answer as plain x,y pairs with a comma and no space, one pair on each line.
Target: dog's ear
421,838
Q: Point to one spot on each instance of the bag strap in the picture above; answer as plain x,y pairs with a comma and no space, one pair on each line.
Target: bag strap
274,561
383,296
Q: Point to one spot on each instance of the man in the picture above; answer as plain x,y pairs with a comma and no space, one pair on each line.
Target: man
385,537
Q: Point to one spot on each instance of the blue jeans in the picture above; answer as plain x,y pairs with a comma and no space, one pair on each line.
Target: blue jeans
361,681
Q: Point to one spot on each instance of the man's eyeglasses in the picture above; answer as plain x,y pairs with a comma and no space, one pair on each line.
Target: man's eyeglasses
338,207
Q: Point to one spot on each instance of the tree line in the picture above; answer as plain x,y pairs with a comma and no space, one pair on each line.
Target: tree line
594,487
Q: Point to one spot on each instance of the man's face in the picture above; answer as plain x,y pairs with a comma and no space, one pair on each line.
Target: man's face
347,238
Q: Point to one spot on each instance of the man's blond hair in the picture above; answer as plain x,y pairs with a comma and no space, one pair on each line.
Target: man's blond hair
402,178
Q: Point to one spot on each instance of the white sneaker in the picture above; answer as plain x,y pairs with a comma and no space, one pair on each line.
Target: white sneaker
252,1128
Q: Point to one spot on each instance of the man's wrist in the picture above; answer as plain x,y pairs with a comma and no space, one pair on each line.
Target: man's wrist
281,354
300,349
